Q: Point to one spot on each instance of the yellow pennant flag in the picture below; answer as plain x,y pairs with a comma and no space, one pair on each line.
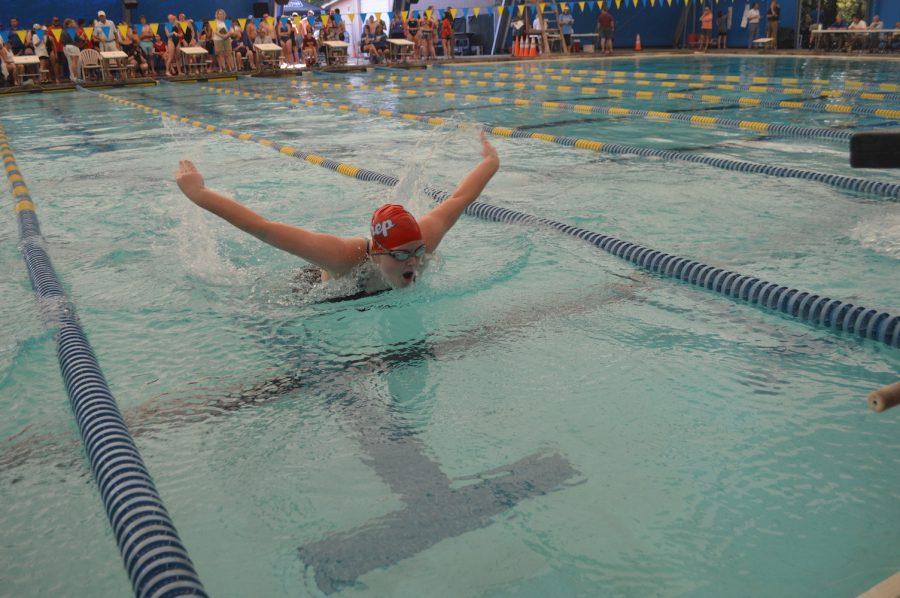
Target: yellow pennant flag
405,14
670,3
499,10
325,19
123,30
351,16
618,3
378,16
88,32
154,27
22,34
476,10
581,6
297,21
427,14
521,10
184,26
270,20
241,23
541,6
454,11
212,25
635,3
56,31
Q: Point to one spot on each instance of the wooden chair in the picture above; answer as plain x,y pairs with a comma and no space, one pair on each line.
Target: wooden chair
89,62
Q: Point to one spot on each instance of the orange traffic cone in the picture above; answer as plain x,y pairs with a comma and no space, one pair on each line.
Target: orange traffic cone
637,43
515,47
534,50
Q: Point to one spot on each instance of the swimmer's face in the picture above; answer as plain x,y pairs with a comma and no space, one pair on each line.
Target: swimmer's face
400,273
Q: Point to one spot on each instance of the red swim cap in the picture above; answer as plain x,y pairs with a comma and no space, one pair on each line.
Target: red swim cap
392,226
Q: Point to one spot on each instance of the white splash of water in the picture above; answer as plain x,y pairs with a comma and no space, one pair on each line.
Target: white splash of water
879,233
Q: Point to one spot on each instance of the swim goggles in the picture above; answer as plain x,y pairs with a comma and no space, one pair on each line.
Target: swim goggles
401,255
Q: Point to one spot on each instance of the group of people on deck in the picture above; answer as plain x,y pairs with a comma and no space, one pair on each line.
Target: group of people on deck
425,31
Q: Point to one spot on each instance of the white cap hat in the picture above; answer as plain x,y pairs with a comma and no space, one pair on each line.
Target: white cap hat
293,14
100,13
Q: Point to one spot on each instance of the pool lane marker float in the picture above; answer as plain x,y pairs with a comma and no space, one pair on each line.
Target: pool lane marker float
848,84
708,122
156,560
890,191
707,98
884,398
801,305
665,84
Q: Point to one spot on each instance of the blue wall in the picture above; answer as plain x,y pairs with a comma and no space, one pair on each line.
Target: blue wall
29,11
888,11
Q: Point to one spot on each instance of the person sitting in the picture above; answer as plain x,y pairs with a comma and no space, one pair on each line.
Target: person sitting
136,61
380,42
18,47
241,47
310,48
7,64
368,40
158,56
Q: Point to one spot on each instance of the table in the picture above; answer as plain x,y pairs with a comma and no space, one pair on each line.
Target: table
269,54
400,49
194,56
822,36
25,62
115,60
335,52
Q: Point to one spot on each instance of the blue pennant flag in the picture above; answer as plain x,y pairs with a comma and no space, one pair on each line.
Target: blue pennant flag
415,14
257,22
71,31
336,17
284,20
390,15
198,26
362,17
169,28
105,31
465,12
3,37
228,24
41,34
645,3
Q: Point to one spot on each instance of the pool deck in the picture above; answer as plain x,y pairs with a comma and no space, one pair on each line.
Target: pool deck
500,58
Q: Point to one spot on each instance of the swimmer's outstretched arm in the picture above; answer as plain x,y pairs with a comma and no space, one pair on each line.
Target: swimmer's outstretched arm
435,224
337,255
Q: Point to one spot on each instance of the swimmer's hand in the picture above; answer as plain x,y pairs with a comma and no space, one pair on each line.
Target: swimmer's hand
489,152
189,179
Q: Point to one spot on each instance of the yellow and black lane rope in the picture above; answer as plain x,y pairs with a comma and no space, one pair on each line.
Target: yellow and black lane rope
887,190
615,111
805,105
849,84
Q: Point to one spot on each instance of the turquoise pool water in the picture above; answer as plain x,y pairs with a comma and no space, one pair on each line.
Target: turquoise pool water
666,440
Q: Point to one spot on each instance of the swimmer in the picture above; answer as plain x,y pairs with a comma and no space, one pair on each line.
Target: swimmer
394,255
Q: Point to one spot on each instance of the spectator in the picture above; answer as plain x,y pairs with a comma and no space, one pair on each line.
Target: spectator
174,41
160,52
367,45
105,33
752,24
310,48
606,26
55,47
7,63
17,46
266,35
772,16
146,36
285,37
447,34
397,29
221,38
37,39
722,30
706,20
341,27
427,34
412,33
72,47
136,61
241,48
566,25
189,35
380,38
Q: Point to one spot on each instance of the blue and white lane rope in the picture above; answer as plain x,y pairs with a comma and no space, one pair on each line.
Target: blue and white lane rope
802,305
156,560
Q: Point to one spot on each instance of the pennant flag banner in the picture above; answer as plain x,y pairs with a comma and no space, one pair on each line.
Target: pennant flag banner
499,10
257,22
390,15
563,6
337,17
106,31
427,13
123,31
168,28
270,20
212,24
476,10
405,15
521,10
377,16
71,31
325,20
581,6
618,3
88,32
184,26
455,11
542,5
465,12
41,33
56,31
3,37
228,23
351,16
242,23
22,34
154,27
635,3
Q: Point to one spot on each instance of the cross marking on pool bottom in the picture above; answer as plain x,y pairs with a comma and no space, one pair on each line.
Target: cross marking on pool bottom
434,509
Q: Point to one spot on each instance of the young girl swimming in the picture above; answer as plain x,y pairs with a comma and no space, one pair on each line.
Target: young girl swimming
391,258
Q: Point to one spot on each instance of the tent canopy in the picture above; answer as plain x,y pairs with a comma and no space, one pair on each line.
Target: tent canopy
301,7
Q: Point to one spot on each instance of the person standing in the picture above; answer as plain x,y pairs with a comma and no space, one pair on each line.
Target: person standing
606,26
772,17
722,30
706,21
105,34
566,25
752,24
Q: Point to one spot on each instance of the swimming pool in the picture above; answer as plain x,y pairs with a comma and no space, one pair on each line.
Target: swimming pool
535,417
